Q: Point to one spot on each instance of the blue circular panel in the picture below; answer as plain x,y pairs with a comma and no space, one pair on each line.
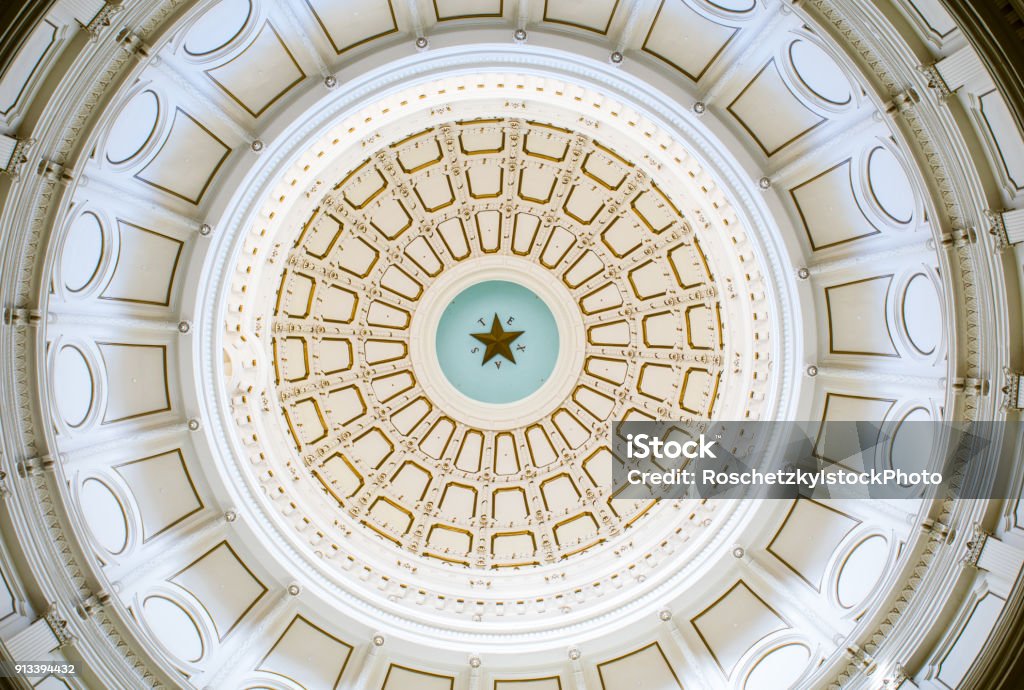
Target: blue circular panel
525,331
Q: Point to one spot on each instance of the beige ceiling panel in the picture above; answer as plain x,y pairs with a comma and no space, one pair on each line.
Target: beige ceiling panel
542,453
445,10
513,545
598,405
558,244
400,283
390,516
689,266
410,416
390,218
450,541
261,74
337,304
320,235
223,584
458,501
602,299
560,494
663,329
592,15
612,333
147,264
453,236
353,22
606,369
506,454
537,184
648,280
306,422
767,92
422,253
809,537
163,490
647,667
187,160
842,443
137,382
481,139
829,210
587,266
858,322
410,482
686,40
524,233
657,381
579,529
552,683
572,431
392,385
584,203
435,442
334,355
488,230
434,192
307,655
509,505
470,455
702,328
623,236
735,623
343,478
388,316
356,256
402,678
420,155
373,446
654,210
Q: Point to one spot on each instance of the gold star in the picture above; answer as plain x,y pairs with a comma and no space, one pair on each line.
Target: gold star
497,342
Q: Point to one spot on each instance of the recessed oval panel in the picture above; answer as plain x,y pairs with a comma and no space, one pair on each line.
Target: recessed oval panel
73,386
861,570
912,442
922,314
105,515
890,186
218,26
779,668
83,252
737,6
133,128
174,628
820,73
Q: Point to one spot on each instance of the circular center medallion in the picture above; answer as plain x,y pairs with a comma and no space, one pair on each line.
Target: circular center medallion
497,342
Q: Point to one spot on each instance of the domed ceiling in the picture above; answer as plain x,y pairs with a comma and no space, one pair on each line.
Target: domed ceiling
320,318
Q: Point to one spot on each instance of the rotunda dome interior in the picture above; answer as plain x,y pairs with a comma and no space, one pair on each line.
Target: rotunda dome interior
320,319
